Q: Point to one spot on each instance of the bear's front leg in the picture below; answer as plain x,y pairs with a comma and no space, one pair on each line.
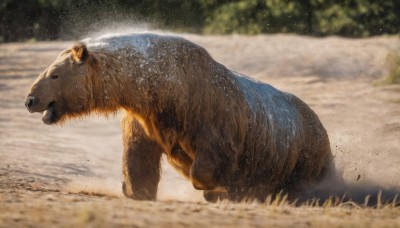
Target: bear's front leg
141,162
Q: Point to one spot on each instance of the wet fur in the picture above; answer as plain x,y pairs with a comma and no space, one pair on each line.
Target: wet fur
219,129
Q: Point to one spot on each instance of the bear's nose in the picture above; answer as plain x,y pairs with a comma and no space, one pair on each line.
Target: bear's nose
30,101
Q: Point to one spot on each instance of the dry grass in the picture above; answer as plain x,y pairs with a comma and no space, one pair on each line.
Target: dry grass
393,63
25,208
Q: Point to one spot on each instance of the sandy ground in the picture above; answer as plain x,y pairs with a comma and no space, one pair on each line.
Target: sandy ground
71,175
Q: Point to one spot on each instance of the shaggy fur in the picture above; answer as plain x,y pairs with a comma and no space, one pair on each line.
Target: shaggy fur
228,134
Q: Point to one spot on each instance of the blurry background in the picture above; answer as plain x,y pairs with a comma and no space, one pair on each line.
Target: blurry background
69,19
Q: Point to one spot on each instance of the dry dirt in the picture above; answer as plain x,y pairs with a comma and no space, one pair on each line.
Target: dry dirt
70,175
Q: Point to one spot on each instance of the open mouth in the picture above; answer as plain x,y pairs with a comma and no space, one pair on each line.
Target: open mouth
50,115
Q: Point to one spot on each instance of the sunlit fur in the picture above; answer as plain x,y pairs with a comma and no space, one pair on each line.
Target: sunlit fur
228,134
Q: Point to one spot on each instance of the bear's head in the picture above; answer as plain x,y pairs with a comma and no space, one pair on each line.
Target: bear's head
64,88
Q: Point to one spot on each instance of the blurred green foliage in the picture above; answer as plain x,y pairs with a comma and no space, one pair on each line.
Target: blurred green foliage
353,18
52,19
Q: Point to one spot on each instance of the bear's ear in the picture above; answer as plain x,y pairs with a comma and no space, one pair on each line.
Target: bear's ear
79,52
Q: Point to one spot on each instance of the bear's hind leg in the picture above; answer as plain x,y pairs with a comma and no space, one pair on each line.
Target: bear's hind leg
141,162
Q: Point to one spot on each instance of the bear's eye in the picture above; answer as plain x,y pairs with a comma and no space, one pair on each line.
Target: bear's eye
54,76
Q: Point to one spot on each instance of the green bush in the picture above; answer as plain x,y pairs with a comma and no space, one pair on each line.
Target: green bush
352,18
253,16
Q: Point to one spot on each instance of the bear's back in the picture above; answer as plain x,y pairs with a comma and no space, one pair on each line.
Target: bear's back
276,106
140,43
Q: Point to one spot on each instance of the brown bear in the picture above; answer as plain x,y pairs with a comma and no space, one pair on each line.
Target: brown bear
228,134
